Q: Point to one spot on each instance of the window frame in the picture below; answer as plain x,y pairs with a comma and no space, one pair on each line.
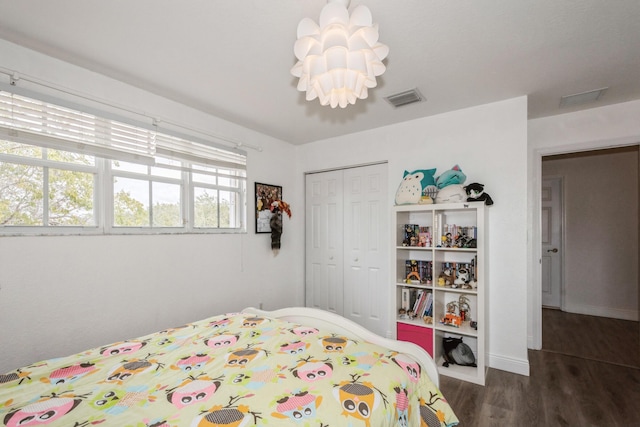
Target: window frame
191,152
104,201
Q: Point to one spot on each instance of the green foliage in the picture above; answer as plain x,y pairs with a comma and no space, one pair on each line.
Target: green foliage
206,210
70,198
129,212
167,215
70,195
21,194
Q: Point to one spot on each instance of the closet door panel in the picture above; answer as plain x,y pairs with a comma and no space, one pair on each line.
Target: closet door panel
366,256
324,246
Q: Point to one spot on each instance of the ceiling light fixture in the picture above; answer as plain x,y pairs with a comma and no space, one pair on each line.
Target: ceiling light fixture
338,60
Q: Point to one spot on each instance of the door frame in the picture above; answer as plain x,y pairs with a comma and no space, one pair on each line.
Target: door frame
534,338
560,178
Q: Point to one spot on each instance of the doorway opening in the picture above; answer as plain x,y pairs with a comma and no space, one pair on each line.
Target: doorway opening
589,253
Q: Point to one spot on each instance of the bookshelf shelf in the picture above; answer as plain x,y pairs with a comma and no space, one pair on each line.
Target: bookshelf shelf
441,249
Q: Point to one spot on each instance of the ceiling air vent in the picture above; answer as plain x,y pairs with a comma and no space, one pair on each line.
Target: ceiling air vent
581,98
404,98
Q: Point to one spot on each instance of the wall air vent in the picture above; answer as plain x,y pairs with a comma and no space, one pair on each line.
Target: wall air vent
405,98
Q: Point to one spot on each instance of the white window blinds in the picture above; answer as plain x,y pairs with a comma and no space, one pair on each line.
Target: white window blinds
35,122
40,123
192,152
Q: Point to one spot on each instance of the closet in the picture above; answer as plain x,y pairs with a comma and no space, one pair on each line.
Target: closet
347,241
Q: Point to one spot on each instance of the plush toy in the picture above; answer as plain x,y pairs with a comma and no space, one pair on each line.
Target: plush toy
462,277
445,278
451,194
450,186
471,284
475,193
414,185
450,177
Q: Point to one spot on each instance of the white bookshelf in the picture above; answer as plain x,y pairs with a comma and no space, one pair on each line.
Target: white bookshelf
441,218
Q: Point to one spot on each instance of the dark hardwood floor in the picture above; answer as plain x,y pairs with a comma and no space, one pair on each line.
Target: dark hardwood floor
562,389
597,338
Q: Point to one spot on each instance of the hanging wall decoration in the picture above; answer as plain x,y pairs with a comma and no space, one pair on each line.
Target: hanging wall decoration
265,195
277,208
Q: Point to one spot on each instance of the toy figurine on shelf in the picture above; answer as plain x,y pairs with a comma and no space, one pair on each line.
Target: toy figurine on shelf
446,241
452,306
450,318
446,277
462,277
464,307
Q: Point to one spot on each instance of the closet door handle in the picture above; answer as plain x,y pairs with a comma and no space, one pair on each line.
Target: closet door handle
554,250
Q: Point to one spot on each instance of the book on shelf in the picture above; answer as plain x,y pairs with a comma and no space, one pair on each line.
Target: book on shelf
428,309
425,269
418,301
406,299
418,271
412,271
424,306
421,304
424,237
411,235
437,229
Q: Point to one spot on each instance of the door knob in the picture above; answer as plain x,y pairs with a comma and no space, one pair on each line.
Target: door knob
554,250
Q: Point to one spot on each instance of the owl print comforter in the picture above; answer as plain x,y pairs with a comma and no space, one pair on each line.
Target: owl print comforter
228,370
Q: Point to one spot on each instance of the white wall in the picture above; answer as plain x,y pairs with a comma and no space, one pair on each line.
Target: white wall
601,225
489,143
60,295
610,126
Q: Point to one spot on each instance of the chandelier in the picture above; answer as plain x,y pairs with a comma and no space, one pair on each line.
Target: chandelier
338,60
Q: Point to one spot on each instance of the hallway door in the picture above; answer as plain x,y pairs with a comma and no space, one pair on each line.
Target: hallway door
551,235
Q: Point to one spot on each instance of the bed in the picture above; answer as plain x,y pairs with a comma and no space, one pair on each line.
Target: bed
290,367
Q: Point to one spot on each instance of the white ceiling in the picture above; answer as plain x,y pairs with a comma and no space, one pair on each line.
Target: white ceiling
232,58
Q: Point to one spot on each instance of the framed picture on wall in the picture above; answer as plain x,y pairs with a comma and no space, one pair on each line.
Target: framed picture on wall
265,195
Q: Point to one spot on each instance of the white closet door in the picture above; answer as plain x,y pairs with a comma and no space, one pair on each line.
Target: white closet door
347,233
324,245
366,225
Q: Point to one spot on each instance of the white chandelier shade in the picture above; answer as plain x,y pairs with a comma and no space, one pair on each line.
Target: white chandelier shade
339,59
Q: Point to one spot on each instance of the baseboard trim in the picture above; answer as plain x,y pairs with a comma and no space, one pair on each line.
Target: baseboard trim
591,310
509,364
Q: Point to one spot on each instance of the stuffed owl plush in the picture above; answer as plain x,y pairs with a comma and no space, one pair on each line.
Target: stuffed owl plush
414,185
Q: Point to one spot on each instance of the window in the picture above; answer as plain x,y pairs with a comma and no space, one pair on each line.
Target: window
46,187
96,175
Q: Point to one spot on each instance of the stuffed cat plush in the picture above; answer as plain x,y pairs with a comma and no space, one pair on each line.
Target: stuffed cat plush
475,193
450,177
